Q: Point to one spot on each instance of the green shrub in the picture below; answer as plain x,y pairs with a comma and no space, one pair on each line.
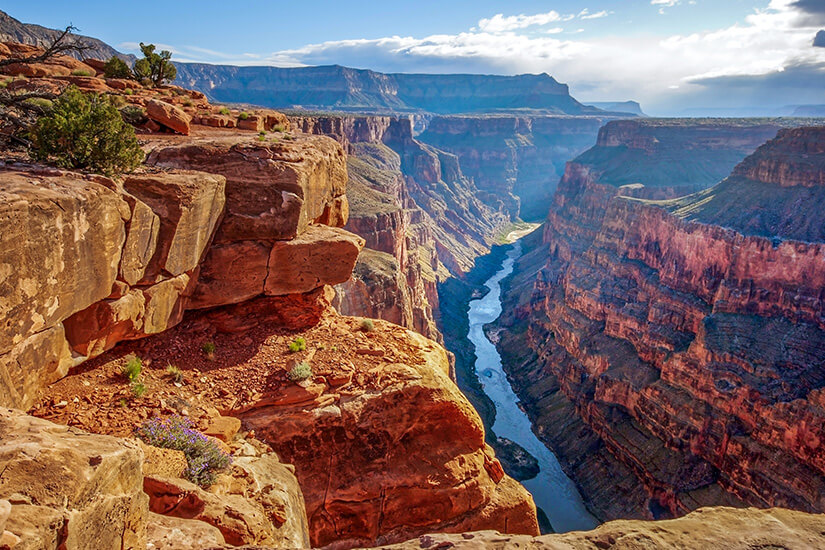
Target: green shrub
278,128
299,344
117,68
243,116
133,114
138,389
86,131
42,102
81,72
5,82
132,369
118,101
204,459
299,372
224,111
128,91
208,348
175,374
367,325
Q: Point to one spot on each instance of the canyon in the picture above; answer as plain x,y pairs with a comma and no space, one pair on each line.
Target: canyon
662,331
671,342
226,239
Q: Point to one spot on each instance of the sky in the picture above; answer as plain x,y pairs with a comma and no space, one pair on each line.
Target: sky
673,56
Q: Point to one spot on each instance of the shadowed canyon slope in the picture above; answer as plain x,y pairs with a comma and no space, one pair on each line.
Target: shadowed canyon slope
674,346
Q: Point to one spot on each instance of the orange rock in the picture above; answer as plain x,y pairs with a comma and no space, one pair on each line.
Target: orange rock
168,115
252,122
223,428
416,445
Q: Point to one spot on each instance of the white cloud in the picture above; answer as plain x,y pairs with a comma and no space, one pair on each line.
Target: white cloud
501,23
659,71
599,14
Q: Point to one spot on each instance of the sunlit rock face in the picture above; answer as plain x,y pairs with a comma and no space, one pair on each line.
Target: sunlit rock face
684,336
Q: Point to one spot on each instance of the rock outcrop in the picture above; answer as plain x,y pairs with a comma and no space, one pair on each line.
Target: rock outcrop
727,528
677,343
129,257
68,488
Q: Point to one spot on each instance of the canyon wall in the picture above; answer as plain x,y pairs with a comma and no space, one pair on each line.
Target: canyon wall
517,159
337,88
422,219
672,355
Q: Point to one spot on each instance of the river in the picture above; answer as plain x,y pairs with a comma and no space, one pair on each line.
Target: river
552,490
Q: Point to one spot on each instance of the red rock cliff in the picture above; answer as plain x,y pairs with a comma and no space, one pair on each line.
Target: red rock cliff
421,218
685,338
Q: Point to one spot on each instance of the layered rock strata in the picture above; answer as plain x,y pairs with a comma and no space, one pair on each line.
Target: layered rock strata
685,335
421,218
515,159
129,257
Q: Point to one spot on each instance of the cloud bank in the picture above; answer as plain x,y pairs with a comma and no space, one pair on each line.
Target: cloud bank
771,51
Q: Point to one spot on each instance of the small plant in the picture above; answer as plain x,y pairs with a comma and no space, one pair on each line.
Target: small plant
138,389
175,374
367,325
132,369
133,114
224,111
81,72
5,82
301,371
278,128
42,102
86,131
299,344
116,68
243,116
118,101
204,459
128,91
208,348
187,103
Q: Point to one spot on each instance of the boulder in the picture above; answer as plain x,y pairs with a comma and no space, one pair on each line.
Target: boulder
69,488
170,533
223,428
33,364
121,83
251,122
188,206
273,190
137,314
320,256
98,65
168,115
258,502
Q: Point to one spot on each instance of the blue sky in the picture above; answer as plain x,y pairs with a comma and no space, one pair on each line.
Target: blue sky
668,54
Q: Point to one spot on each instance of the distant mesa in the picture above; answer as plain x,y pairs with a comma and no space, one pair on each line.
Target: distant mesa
631,107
